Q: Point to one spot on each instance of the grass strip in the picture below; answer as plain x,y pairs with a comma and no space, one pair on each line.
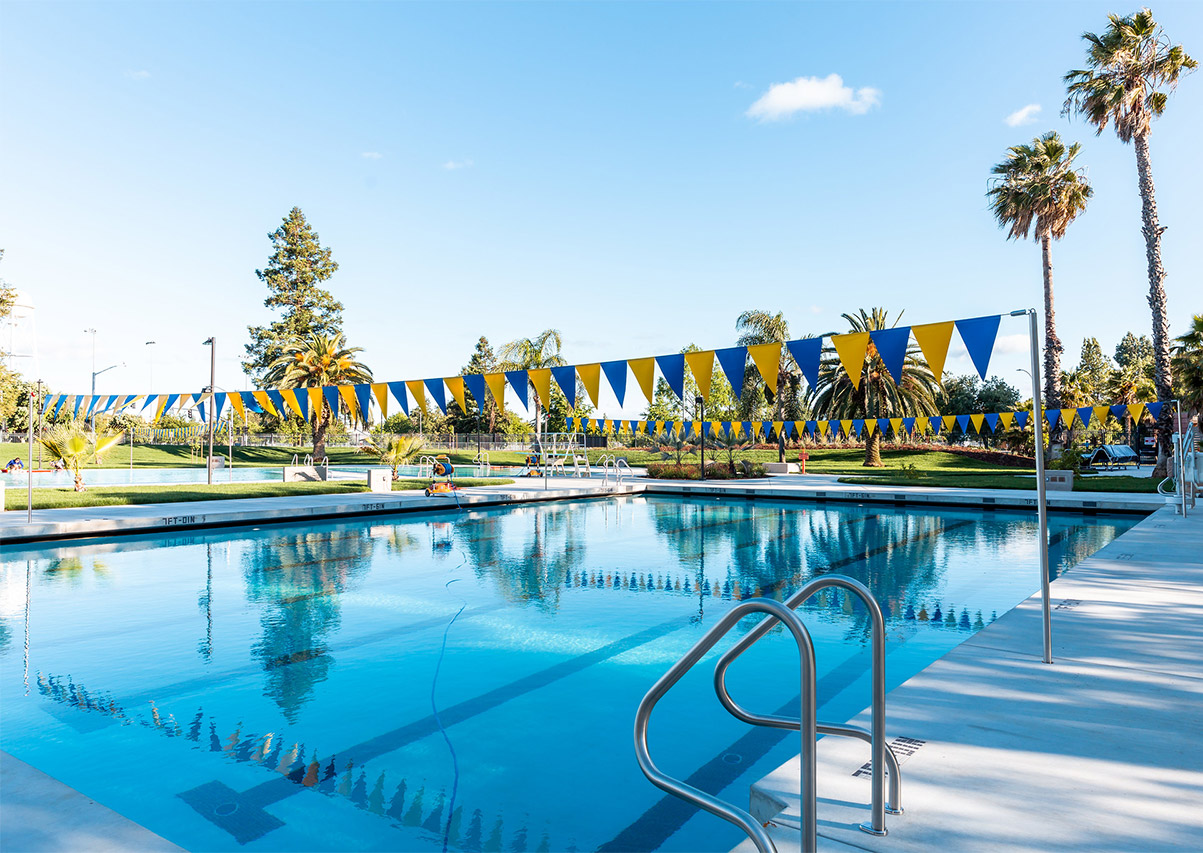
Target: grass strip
138,495
1138,485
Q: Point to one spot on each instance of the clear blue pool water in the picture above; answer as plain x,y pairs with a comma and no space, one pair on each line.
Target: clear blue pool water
469,678
167,476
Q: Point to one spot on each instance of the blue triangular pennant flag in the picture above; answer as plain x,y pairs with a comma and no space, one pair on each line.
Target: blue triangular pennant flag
616,375
673,368
978,334
219,403
566,378
363,394
811,427
1154,409
766,427
1119,410
1021,419
707,428
1084,412
518,381
834,426
857,425
302,396
400,395
747,427
437,391
936,423
688,427
908,424
963,422
883,425
733,360
891,346
1052,416
330,395
726,427
475,383
807,352
278,401
787,428
992,420
172,399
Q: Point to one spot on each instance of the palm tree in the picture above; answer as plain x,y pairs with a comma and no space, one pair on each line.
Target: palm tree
729,443
316,360
1038,186
878,396
674,444
1188,365
397,450
761,327
1132,70
541,351
72,446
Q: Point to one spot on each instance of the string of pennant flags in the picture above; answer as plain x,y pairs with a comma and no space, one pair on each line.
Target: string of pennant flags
977,334
854,427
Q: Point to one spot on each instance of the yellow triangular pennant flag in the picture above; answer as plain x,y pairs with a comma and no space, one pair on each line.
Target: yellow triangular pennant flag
418,389
380,392
659,427
265,403
949,421
870,426
290,397
716,427
824,427
896,425
701,365
1067,417
158,408
1100,415
236,402
496,383
591,377
455,384
921,424
933,339
347,392
977,421
777,426
642,428
608,426
1006,419
315,401
644,370
1136,410
851,350
846,426
766,357
540,377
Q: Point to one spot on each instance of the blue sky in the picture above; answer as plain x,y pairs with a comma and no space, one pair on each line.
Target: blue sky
499,168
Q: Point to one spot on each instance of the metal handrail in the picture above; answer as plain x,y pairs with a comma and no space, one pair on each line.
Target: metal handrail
806,726
619,465
882,756
425,462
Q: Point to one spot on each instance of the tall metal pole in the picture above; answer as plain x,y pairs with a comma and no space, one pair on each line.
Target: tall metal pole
29,467
1041,486
212,343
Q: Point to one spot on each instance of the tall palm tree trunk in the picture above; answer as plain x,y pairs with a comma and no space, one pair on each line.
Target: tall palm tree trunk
782,379
321,425
1162,376
1052,343
872,440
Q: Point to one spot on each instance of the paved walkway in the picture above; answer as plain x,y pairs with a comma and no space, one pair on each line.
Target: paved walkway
1099,751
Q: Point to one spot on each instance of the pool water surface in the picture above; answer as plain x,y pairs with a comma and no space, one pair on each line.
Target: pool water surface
468,681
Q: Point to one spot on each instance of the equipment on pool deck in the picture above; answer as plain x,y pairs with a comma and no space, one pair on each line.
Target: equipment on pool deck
442,467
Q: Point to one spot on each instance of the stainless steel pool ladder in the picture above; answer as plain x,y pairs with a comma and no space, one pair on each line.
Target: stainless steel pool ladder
424,463
622,469
806,725
883,758
482,459
1188,469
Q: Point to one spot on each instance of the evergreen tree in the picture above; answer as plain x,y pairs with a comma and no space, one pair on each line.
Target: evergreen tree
1133,351
1093,373
296,268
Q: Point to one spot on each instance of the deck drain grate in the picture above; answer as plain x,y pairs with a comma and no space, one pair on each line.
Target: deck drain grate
904,748
1068,604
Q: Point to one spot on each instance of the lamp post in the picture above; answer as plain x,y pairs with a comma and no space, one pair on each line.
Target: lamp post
152,365
701,404
92,332
211,343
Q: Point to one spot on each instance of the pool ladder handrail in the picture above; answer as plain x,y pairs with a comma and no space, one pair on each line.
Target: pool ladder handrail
425,462
608,463
622,469
776,611
1187,461
882,758
482,459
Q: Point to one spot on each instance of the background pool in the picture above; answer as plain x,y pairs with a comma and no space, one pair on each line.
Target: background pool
275,688
237,474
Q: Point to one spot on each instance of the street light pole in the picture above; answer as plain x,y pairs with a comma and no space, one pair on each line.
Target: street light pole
92,332
211,343
152,366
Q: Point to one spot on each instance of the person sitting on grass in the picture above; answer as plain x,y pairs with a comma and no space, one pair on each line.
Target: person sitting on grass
14,465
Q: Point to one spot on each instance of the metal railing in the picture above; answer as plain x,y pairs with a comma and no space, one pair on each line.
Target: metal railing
883,758
426,463
1187,461
622,470
806,726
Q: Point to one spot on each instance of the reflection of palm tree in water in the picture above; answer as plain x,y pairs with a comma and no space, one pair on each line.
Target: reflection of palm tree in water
298,580
553,549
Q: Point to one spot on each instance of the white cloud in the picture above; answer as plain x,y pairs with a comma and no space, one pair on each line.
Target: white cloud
1011,344
816,309
1026,115
807,94
452,165
371,155
137,75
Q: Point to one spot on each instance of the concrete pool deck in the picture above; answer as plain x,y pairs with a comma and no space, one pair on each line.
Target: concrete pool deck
87,522
1099,751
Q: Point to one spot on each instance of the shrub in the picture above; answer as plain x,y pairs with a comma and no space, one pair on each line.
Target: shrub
671,471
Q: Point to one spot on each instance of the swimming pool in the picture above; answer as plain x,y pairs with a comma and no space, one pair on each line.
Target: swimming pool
468,678
237,474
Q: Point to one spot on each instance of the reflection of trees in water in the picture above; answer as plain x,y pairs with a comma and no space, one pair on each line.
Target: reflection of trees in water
552,548
297,580
71,570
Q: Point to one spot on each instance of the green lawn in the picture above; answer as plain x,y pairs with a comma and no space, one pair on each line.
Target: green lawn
15,499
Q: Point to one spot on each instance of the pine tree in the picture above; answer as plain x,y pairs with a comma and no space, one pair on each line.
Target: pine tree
1094,372
296,268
